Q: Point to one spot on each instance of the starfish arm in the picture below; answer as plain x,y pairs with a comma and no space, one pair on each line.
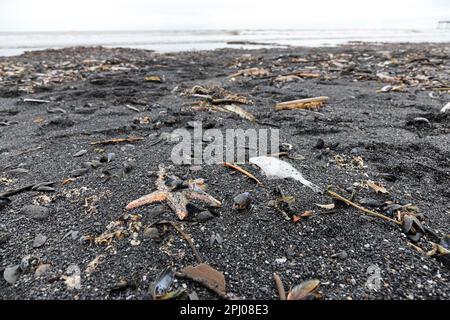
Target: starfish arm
202,196
156,196
178,202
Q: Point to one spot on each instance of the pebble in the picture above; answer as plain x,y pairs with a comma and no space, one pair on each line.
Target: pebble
39,241
108,158
151,233
281,260
35,212
12,274
91,164
80,153
369,202
204,216
242,201
320,144
25,262
193,296
4,237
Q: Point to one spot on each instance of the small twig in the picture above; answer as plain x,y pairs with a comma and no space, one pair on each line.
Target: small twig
118,140
244,172
280,287
350,203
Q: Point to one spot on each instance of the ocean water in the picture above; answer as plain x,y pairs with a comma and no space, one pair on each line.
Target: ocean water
14,43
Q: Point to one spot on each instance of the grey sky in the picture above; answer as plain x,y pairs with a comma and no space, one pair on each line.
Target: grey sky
58,15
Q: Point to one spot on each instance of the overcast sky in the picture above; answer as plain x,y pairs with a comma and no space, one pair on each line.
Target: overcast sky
71,15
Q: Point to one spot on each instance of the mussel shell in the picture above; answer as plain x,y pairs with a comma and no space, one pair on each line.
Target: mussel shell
407,223
241,201
304,290
162,283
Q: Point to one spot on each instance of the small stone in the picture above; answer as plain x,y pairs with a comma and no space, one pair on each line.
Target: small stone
25,262
151,233
41,269
216,237
368,202
12,274
242,201
80,153
367,246
35,212
320,144
204,216
39,241
193,296
4,237
281,260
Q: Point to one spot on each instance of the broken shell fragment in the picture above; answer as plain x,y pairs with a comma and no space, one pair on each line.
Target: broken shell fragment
304,291
162,283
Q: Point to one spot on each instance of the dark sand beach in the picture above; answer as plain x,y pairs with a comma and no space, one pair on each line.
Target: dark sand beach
382,123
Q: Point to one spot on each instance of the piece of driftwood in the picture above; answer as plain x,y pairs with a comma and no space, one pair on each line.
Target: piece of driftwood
309,103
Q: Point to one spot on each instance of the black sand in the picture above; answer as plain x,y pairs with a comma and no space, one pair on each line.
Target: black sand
409,157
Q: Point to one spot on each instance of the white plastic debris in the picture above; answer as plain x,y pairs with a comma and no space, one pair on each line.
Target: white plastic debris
446,108
275,168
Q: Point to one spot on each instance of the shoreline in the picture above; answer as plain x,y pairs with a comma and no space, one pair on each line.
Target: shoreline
180,40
